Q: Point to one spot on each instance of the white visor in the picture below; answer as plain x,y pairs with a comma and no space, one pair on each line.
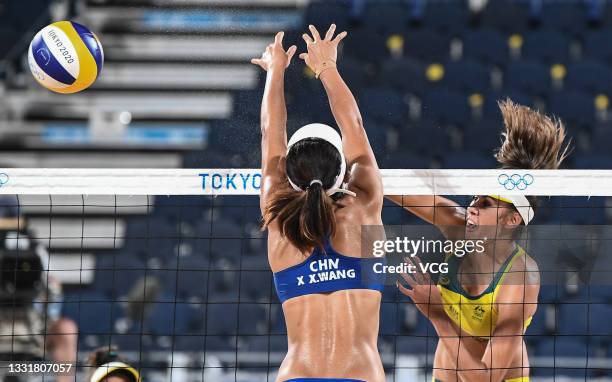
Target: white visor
108,368
521,204
328,134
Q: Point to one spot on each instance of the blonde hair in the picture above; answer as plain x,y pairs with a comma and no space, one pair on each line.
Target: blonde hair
531,140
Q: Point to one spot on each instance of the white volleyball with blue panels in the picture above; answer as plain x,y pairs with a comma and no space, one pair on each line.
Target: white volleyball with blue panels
65,57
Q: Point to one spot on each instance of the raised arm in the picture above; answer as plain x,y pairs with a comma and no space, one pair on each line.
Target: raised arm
274,61
321,59
435,210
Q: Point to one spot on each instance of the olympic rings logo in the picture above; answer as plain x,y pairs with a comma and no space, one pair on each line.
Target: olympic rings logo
520,182
4,178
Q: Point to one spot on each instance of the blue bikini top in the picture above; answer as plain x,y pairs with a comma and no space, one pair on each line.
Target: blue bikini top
326,270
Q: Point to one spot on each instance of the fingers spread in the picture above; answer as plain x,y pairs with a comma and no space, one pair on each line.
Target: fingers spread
330,32
409,279
404,290
418,276
340,37
307,38
315,33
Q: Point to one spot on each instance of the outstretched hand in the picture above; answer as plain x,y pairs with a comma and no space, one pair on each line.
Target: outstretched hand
423,292
275,56
322,53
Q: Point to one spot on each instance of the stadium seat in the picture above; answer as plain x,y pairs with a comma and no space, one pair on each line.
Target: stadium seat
415,345
366,46
550,293
192,252
602,141
530,77
222,319
385,18
590,76
258,262
467,76
582,210
568,17
93,313
175,318
560,347
597,324
426,45
390,318
487,45
223,287
483,136
596,45
192,343
383,105
267,343
572,318
215,343
425,137
446,106
354,73
546,46
506,15
407,158
252,318
468,160
573,107
322,14
406,75
593,161
192,284
256,286
223,228
449,17
128,342
116,275
377,132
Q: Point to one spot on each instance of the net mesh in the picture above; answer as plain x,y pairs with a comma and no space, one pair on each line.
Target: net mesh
170,267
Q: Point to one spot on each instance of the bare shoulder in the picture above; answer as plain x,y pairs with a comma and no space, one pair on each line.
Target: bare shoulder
521,282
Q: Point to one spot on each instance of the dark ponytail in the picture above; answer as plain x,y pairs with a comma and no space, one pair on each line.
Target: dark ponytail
306,218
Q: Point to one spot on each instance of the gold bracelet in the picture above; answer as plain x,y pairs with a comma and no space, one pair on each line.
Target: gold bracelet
324,66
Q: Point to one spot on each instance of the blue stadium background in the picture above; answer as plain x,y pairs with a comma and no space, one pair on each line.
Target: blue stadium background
177,91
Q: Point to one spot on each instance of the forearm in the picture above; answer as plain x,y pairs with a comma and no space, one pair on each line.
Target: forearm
341,100
469,368
421,206
435,210
273,108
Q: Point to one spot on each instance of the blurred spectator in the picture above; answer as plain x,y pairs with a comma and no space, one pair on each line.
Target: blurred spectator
31,325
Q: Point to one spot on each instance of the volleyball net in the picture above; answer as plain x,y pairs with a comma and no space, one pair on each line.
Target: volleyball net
170,266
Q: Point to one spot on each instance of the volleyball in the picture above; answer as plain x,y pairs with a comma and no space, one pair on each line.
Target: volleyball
65,57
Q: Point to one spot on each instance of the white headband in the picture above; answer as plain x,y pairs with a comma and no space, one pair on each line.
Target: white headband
328,134
106,369
521,204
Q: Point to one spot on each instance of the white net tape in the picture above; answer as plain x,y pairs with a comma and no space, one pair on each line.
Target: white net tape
248,182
